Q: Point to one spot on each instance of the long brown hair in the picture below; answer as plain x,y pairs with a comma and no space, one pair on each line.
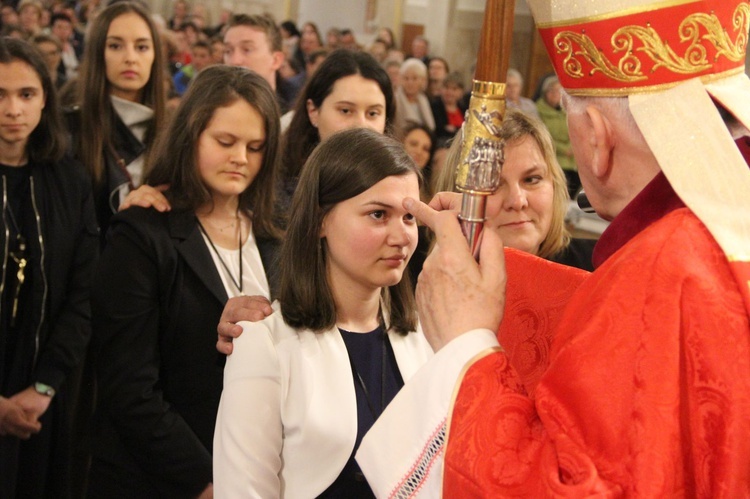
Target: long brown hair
343,166
176,152
97,113
301,137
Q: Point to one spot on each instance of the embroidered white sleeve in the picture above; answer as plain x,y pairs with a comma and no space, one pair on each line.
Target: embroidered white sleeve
402,455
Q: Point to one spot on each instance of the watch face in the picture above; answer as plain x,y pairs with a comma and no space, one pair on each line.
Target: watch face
44,389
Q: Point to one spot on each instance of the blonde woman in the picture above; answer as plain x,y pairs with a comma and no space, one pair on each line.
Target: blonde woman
529,207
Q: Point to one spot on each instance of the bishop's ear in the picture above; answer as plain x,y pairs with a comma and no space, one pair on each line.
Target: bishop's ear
601,141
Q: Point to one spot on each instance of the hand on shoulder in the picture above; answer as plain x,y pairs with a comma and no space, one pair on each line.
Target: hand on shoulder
147,196
237,309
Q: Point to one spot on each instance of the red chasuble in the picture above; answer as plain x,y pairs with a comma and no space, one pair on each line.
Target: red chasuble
645,390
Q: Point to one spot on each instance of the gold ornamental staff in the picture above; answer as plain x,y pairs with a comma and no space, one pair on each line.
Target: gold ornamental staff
478,171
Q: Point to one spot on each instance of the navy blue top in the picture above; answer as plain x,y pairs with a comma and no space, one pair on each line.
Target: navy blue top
376,381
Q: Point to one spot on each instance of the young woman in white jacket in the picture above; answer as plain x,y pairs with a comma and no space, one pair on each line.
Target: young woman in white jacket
305,384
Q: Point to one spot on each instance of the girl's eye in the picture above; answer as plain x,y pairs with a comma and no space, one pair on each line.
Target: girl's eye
378,215
256,147
345,110
113,46
410,218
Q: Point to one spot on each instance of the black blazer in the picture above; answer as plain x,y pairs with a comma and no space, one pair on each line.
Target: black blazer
577,254
157,299
127,148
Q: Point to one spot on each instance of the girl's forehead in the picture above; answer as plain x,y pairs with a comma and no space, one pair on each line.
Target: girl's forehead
129,23
19,73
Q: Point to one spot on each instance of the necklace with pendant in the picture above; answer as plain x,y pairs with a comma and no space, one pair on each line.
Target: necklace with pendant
19,256
237,282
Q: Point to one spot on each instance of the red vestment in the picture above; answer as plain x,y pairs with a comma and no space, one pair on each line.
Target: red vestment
647,388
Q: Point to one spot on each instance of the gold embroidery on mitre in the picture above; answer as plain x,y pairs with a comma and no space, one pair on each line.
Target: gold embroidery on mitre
629,67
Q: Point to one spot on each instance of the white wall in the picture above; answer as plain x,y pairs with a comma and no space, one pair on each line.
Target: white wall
275,7
340,14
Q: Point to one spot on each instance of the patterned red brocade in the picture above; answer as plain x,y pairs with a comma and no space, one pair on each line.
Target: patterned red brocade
526,331
644,391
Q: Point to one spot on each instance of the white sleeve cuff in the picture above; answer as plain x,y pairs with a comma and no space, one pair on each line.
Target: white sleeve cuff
402,454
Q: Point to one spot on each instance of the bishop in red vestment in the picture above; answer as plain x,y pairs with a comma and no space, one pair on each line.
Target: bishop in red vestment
633,380
647,390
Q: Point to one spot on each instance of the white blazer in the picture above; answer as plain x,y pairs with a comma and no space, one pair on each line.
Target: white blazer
287,420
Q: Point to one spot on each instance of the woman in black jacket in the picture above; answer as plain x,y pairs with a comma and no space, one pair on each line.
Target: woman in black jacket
163,280
49,245
121,95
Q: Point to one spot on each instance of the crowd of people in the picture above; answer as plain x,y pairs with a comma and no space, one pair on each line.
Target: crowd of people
165,177
428,94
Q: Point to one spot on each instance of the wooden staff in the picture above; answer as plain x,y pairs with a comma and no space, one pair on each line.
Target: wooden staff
482,156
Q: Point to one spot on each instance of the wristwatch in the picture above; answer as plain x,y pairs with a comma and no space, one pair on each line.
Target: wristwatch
43,389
